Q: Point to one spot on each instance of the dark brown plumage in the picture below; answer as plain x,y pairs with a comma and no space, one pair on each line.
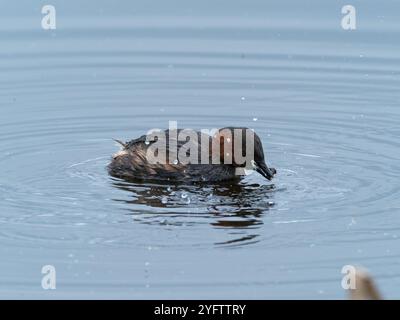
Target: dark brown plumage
133,163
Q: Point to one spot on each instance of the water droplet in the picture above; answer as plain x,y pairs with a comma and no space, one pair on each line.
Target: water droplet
169,189
188,200
147,143
184,195
164,200
243,98
255,119
175,161
228,140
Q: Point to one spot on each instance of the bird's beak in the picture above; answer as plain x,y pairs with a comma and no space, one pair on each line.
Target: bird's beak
263,169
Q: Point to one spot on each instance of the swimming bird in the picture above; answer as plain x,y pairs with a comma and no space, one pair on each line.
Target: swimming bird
365,287
198,157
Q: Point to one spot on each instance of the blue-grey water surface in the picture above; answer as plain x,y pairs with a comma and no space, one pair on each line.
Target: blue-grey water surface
325,102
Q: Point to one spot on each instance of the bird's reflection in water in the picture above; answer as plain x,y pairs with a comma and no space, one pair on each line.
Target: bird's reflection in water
235,206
